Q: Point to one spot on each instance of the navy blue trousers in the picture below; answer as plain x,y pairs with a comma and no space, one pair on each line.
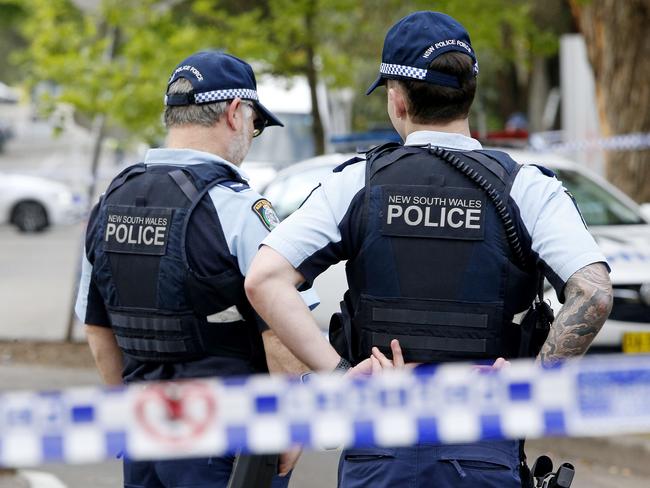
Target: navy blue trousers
480,465
184,473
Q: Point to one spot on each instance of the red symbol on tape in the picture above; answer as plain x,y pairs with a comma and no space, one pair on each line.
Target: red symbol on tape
176,412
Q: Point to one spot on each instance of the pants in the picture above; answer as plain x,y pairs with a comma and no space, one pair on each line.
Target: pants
184,473
480,465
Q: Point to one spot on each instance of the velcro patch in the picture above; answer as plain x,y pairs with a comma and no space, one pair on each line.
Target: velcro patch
264,210
137,230
435,212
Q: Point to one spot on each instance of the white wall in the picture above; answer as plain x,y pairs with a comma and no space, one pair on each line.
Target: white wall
579,109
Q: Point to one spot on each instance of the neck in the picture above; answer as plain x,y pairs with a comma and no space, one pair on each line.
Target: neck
198,138
460,126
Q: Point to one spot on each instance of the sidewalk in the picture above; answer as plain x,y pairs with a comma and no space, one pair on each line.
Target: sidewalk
630,452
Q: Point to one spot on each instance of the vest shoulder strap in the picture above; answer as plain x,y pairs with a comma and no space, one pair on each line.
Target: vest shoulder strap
124,175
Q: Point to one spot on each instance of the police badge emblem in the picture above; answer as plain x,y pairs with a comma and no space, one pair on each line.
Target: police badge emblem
264,210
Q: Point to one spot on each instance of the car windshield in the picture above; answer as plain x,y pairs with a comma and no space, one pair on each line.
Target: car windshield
597,205
284,145
288,193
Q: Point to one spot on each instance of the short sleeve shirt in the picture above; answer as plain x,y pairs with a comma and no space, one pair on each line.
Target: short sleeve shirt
241,217
322,232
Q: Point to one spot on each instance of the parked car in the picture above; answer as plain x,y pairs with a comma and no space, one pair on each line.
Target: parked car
32,203
616,222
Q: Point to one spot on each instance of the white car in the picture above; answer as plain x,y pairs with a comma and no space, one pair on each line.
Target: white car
32,203
617,223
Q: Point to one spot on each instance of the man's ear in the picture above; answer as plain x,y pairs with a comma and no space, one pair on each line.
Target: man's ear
233,116
397,99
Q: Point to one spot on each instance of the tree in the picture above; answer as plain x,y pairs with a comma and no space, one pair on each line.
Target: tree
618,46
113,62
12,12
299,38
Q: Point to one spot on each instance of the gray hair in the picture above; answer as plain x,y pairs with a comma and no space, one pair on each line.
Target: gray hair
206,114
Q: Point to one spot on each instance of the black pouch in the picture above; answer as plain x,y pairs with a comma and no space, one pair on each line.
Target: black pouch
340,332
535,325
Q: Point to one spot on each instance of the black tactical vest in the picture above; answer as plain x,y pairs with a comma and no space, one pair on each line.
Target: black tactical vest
160,308
436,268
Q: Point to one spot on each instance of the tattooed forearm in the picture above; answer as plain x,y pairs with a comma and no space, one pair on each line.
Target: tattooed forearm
588,301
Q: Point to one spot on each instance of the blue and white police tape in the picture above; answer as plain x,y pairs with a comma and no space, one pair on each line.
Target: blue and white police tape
553,141
262,414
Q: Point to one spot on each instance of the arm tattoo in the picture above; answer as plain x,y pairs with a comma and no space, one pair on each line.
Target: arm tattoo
588,302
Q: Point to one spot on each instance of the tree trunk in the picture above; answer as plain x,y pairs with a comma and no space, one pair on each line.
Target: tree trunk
618,45
99,131
312,78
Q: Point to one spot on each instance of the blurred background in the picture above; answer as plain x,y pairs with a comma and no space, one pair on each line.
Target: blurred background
562,82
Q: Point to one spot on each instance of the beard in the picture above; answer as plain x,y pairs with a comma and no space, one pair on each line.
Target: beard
241,142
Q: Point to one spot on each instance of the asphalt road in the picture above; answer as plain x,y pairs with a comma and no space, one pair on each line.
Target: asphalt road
37,280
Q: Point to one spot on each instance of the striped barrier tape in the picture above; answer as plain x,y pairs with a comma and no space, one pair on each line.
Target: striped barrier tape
552,141
262,414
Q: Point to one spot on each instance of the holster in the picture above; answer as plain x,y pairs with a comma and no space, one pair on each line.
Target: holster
340,332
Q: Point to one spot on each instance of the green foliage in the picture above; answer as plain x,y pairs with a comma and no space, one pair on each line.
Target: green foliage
12,12
115,60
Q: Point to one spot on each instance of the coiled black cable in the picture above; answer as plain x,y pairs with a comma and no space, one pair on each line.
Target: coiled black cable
492,193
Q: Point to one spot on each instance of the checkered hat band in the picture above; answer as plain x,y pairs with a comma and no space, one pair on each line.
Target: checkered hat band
400,70
219,95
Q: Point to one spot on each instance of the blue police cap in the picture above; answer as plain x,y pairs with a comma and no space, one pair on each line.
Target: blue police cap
416,40
215,77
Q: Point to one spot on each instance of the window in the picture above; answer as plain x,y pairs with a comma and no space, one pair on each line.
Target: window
284,145
597,205
288,193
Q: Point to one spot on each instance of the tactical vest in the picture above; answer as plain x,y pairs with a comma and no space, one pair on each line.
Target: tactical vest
161,309
436,268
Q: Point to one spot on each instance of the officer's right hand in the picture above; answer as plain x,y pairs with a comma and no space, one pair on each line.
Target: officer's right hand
378,362
500,363
381,362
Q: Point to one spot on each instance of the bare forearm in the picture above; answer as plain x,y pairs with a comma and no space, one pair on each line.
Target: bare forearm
588,295
278,356
106,352
282,308
271,289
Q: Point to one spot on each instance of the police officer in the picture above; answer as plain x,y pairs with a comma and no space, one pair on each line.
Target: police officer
167,248
445,243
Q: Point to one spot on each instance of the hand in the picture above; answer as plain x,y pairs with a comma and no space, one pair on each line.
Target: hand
381,362
288,460
364,368
500,363
378,362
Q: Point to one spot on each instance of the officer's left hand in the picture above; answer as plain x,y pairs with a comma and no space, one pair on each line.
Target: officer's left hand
288,461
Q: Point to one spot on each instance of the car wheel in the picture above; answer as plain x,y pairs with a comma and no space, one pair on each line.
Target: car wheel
29,217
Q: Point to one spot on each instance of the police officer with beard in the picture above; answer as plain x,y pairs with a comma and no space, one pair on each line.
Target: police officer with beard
167,248
446,244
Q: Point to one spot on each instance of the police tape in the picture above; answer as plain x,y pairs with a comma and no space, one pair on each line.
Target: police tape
552,141
261,414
